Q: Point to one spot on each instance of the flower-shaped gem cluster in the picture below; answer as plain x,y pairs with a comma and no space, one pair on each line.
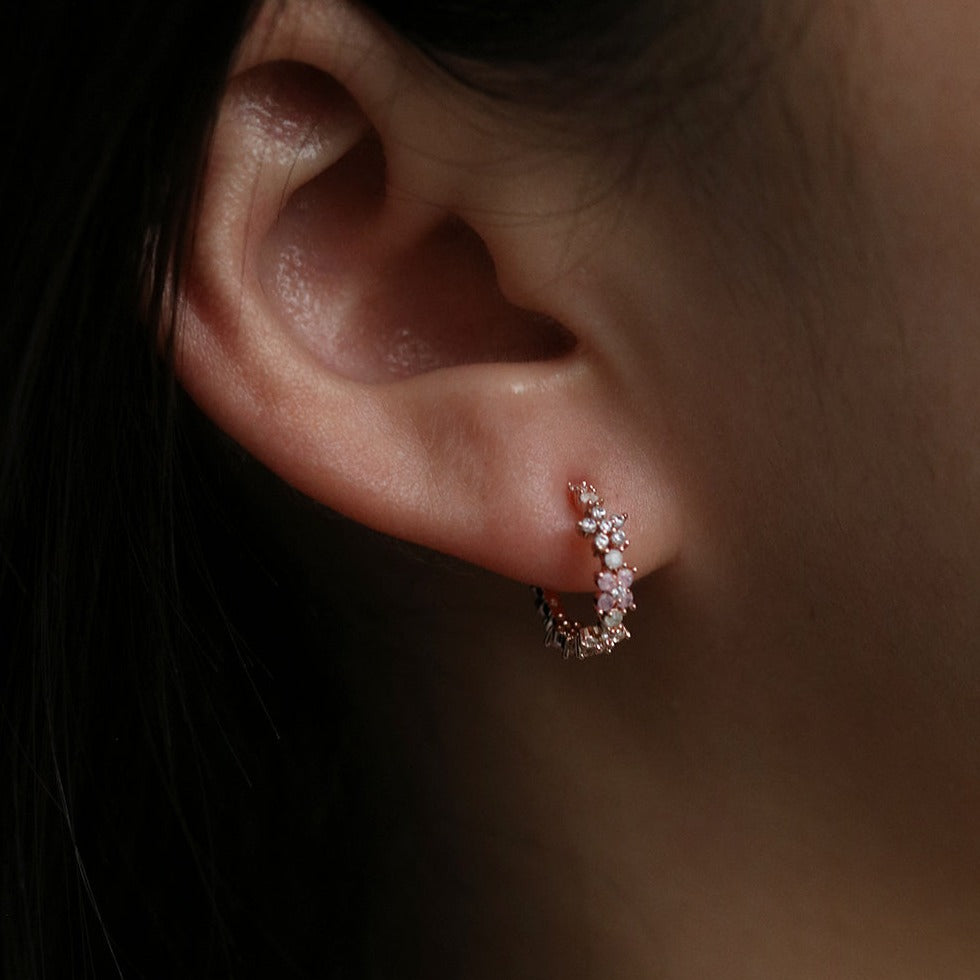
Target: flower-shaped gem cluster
607,532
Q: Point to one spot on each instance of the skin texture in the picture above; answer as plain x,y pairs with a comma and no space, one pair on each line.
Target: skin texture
774,368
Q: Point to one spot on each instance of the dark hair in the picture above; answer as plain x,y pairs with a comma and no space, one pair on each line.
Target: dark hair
132,600
98,179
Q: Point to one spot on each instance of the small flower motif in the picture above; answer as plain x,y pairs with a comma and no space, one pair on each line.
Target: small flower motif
584,493
606,532
615,590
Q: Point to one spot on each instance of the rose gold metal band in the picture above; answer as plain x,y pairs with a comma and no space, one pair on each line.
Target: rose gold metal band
614,581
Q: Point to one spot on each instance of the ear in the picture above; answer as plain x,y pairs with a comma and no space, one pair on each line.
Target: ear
360,315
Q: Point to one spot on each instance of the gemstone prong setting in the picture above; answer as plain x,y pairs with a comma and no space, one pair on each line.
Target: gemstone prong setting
614,580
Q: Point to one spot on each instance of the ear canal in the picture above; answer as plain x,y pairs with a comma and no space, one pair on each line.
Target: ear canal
379,286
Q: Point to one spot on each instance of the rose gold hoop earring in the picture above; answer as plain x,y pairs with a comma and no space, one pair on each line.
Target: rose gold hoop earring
614,582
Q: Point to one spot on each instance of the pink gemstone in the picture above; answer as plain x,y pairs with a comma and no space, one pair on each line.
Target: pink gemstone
605,602
606,581
625,576
624,598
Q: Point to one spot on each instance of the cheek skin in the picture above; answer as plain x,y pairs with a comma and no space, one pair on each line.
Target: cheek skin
805,329
813,339
921,147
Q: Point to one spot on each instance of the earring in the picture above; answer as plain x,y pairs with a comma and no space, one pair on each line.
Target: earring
614,582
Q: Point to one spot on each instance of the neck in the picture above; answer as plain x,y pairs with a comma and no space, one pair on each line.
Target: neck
671,810
706,802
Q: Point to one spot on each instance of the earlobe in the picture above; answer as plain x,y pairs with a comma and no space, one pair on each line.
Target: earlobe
345,324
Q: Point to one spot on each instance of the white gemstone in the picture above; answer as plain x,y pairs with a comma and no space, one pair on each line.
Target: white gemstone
587,525
618,520
598,512
601,542
613,559
613,619
618,538
588,497
605,526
